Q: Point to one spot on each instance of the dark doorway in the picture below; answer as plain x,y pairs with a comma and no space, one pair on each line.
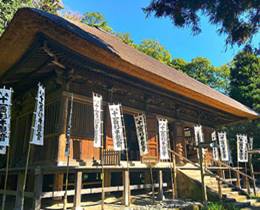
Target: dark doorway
132,143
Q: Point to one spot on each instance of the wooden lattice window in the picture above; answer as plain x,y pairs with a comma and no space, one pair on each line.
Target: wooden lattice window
82,120
52,111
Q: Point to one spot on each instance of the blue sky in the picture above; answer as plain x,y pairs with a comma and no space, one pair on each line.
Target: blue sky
127,16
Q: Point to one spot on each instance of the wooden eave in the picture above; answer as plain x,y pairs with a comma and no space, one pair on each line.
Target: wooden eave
27,23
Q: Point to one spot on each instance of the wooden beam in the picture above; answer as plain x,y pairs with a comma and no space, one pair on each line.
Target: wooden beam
53,194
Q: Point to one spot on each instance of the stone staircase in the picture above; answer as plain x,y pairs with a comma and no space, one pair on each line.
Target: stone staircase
229,194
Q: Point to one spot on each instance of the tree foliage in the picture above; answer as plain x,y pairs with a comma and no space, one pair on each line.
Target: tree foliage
156,50
238,19
126,38
96,19
202,70
9,7
245,79
245,88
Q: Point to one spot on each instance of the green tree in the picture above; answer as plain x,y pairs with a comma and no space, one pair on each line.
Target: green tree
239,19
126,38
9,7
96,19
245,79
156,50
245,88
202,70
179,64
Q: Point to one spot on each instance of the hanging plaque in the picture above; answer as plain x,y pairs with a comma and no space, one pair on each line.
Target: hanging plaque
223,146
98,123
164,139
2,150
117,123
242,149
38,118
215,152
5,116
141,132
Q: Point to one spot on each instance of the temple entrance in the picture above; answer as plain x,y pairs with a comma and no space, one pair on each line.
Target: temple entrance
190,144
132,142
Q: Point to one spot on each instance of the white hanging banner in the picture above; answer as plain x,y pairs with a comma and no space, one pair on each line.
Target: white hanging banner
198,134
5,116
242,148
2,150
117,123
38,118
215,152
164,139
141,132
223,146
98,122
251,143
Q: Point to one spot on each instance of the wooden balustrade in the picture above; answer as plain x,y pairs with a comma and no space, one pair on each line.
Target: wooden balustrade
111,157
221,178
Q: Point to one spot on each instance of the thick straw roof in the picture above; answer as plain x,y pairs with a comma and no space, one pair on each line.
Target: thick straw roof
107,49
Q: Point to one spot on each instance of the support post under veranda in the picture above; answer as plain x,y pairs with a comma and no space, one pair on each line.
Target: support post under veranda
6,177
152,180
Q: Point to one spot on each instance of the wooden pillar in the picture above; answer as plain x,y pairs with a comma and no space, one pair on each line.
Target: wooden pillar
147,180
180,146
107,180
38,181
127,192
160,177
77,196
58,184
18,198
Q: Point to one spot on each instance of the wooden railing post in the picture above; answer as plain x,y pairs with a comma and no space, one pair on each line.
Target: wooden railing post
219,189
174,184
238,184
202,173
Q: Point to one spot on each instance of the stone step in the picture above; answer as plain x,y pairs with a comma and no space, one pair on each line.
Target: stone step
237,198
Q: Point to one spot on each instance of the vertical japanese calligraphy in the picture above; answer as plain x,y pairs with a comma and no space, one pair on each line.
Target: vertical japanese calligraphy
38,118
198,134
141,132
98,121
5,116
164,139
223,146
214,148
242,148
117,123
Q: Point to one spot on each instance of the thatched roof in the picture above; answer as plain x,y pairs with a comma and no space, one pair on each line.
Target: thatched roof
107,49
